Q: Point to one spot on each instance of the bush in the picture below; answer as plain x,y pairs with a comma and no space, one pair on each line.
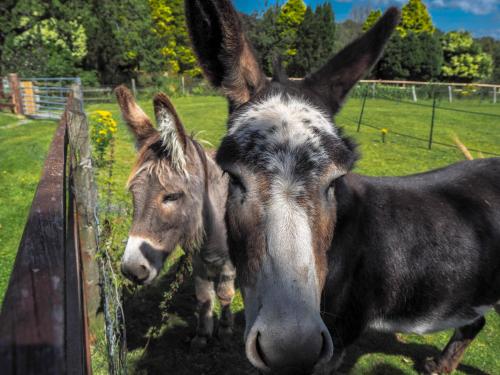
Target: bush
416,57
89,78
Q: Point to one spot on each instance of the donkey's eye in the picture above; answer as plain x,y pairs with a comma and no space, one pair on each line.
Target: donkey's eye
331,187
235,181
172,197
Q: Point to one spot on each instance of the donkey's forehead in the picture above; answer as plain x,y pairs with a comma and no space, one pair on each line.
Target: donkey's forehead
282,133
284,116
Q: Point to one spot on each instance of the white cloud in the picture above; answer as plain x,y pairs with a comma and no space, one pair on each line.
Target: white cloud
480,7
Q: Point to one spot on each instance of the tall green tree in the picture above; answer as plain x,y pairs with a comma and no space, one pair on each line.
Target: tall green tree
170,27
491,46
265,37
415,57
415,18
464,59
120,40
315,41
289,19
346,32
414,52
372,18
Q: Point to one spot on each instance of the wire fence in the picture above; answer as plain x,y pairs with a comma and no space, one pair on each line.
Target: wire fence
471,110
45,97
173,86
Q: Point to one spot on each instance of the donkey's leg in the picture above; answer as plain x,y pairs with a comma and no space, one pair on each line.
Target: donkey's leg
225,292
205,296
451,356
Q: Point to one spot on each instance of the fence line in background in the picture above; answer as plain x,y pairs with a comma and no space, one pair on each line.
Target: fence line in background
367,88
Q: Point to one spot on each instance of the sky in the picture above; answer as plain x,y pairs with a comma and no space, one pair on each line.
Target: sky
480,17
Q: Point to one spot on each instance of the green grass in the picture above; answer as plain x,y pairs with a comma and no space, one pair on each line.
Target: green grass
23,149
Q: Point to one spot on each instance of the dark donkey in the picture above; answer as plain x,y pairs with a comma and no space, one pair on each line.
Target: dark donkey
179,197
322,254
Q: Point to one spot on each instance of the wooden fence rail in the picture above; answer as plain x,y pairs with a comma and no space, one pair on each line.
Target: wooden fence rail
44,317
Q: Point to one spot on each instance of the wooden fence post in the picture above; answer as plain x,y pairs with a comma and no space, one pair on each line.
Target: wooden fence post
33,317
85,195
17,98
414,93
134,89
494,95
450,94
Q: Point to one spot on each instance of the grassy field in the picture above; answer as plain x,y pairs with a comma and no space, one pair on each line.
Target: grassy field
23,146
21,155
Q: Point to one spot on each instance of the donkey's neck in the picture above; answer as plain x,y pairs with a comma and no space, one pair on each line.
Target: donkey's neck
214,247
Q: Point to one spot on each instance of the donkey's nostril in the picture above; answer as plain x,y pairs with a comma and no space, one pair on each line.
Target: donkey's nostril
326,349
254,351
260,353
289,348
137,273
125,271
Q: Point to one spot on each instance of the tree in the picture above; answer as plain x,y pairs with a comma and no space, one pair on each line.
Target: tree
491,46
415,18
423,56
464,59
414,52
315,41
41,37
327,33
372,18
266,39
120,41
346,32
289,19
170,27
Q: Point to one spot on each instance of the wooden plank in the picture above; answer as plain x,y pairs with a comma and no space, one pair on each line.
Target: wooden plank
76,348
15,90
85,192
32,320
28,98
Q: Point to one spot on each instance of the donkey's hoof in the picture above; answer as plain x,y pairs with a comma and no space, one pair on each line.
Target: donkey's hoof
198,343
432,367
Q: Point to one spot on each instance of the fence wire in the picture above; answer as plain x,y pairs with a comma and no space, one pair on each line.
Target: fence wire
114,316
436,95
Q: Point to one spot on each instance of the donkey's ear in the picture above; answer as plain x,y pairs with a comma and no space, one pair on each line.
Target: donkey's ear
172,132
138,122
223,50
334,80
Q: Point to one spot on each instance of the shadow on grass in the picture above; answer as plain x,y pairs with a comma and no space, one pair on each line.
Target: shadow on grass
389,344
170,351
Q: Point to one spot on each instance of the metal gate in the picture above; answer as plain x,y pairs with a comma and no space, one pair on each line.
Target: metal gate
45,98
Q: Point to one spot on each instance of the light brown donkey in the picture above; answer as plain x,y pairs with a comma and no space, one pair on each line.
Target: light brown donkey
179,196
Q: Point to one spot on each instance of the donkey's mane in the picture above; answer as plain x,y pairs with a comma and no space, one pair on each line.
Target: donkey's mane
156,159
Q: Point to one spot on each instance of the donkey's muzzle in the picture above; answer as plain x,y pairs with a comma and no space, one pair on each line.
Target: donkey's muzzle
289,349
